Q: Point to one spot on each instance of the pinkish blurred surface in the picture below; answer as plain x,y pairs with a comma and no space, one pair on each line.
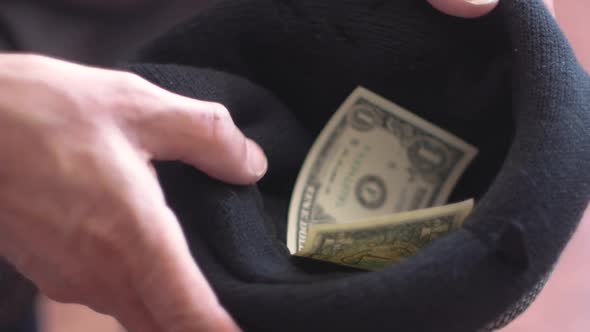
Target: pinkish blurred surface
574,18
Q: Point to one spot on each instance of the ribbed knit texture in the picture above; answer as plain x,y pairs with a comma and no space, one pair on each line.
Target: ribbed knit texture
507,83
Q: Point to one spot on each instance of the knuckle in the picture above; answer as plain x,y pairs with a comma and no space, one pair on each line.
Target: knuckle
129,92
101,240
130,79
218,122
29,65
219,111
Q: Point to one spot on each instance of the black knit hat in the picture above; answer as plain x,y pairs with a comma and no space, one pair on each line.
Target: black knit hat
507,83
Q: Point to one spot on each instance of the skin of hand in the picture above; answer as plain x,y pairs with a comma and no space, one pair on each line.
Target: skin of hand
81,212
564,303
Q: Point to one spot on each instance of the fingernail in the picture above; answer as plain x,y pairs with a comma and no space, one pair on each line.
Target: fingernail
256,159
480,2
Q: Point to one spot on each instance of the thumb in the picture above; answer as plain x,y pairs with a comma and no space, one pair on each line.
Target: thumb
200,133
464,8
168,283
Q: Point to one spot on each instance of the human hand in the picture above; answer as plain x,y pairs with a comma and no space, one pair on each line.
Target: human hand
470,8
81,211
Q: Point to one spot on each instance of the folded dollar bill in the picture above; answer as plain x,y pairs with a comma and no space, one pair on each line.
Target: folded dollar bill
373,159
375,243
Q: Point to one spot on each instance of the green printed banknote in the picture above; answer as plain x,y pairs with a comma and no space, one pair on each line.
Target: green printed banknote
372,161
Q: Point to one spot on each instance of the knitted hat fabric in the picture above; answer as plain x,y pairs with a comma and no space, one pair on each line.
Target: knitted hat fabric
507,83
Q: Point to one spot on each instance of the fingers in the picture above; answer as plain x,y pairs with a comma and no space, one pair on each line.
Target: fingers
133,315
171,292
200,133
101,224
164,125
167,267
472,8
464,8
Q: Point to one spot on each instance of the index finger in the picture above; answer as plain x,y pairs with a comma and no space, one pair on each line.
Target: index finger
168,126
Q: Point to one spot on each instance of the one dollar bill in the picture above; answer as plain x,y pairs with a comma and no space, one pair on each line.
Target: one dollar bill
373,159
376,243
